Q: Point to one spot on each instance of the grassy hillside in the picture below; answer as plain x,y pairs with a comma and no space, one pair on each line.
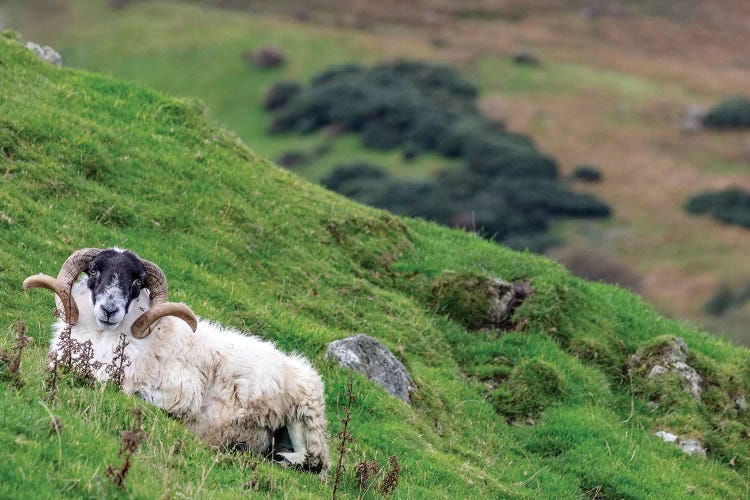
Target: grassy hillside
601,96
87,160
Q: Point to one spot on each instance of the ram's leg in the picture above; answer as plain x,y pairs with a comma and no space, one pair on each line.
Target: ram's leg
316,441
297,436
310,438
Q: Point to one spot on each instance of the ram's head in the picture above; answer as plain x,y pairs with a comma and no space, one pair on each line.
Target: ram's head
115,278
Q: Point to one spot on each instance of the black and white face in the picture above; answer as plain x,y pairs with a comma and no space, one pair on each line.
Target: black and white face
116,278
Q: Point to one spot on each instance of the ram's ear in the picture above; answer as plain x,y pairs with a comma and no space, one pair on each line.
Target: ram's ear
142,326
69,304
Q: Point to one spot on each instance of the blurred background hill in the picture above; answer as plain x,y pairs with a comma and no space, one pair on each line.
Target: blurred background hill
616,100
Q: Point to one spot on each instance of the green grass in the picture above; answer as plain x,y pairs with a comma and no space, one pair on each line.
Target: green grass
86,160
550,77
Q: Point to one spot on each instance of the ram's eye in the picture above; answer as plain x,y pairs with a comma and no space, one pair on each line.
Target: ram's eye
137,283
94,274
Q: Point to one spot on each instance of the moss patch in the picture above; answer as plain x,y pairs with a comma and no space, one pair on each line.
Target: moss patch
531,387
477,302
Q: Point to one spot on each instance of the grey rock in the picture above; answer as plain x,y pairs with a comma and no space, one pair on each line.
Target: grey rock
500,294
504,298
691,377
739,403
693,118
692,447
372,359
672,358
666,436
689,446
47,53
657,370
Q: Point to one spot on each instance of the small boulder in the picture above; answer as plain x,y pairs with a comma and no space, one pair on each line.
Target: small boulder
692,447
689,446
372,359
693,118
739,403
668,437
269,56
47,53
477,302
665,356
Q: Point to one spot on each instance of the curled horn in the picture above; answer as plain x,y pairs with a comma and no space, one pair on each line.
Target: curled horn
156,282
142,326
69,272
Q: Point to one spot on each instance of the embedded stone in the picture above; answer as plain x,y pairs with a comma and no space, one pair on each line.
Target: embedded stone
366,355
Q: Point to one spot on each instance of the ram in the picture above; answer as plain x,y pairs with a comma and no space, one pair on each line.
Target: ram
233,390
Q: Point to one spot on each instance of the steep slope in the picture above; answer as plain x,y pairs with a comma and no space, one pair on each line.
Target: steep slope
86,160
610,91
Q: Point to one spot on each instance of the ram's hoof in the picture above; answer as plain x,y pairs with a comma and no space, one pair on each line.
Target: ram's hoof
290,459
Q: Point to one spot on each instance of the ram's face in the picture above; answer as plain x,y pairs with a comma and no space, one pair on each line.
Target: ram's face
116,278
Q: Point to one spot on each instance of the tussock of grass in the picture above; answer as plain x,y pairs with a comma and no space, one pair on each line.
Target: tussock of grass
250,245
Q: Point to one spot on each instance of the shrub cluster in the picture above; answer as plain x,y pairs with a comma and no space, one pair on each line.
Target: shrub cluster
587,173
507,189
733,112
516,211
731,206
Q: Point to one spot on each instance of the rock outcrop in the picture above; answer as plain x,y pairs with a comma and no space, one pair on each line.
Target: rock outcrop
372,359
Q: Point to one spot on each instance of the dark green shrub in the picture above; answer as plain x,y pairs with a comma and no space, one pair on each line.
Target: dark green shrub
380,135
290,159
733,112
721,301
514,211
507,191
731,206
430,128
280,94
508,156
341,174
586,173
725,298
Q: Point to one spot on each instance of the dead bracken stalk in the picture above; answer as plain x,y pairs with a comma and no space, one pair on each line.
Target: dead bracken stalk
75,356
120,361
84,365
65,347
390,481
12,360
365,472
131,440
344,437
55,425
50,383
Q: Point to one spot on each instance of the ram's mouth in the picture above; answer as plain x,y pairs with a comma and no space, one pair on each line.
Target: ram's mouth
106,324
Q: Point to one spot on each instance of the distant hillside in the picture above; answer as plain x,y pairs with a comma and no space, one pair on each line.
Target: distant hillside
549,408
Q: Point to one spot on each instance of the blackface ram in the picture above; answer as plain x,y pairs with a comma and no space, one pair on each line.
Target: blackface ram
231,389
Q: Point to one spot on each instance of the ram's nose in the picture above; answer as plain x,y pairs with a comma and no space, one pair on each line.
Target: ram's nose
109,310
